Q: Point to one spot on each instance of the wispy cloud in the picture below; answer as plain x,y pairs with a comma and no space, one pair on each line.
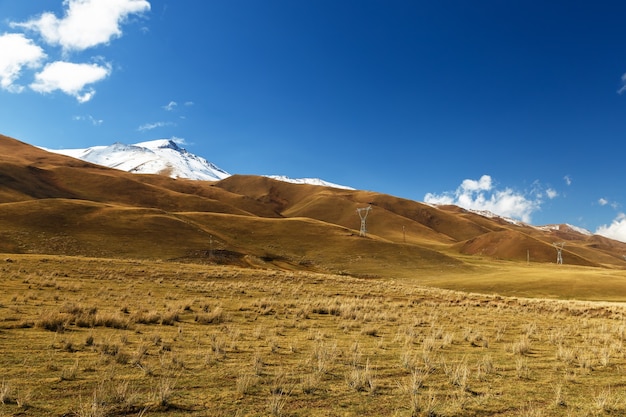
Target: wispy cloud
616,230
623,88
567,179
89,118
482,195
86,23
17,52
150,126
189,103
180,141
70,78
551,193
606,202
170,106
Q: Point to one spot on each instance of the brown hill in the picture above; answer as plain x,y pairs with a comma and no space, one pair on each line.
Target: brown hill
53,204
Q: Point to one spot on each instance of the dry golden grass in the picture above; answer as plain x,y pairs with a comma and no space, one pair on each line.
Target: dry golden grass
536,280
104,337
435,313
59,205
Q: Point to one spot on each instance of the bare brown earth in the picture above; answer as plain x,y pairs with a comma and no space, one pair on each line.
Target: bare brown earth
54,204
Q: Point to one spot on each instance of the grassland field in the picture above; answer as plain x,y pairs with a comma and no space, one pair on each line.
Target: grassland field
109,337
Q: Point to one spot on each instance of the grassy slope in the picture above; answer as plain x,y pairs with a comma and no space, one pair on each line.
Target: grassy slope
534,280
58,205
107,337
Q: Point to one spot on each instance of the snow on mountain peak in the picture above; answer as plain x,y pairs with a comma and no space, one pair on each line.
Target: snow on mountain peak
550,227
165,157
310,181
162,156
160,144
565,228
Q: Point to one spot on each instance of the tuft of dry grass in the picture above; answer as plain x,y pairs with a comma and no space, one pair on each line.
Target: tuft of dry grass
6,393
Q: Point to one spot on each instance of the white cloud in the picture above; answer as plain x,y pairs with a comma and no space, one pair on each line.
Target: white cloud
551,193
616,230
17,52
89,118
439,199
603,201
623,88
170,106
189,103
483,184
480,195
70,78
568,180
150,126
86,23
177,140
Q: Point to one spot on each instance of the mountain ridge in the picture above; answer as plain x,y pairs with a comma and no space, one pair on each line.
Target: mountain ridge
55,204
161,156
165,157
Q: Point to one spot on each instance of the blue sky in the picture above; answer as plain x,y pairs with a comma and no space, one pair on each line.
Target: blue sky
511,106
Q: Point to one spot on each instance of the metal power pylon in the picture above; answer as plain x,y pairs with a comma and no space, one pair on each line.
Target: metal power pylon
363,212
559,252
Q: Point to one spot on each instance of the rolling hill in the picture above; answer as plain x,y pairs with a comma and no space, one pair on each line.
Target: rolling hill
55,204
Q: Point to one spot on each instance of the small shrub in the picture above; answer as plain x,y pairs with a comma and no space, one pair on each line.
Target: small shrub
69,374
522,347
147,318
276,404
458,374
122,358
170,318
54,322
109,349
216,316
361,379
521,368
122,393
113,321
559,401
142,350
310,383
164,390
370,331
6,393
412,388
23,398
257,364
245,382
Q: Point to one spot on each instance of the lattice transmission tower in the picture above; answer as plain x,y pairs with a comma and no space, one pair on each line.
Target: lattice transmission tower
363,212
559,252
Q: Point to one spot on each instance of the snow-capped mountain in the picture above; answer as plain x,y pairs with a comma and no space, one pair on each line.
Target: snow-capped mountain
161,156
565,228
310,181
165,157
